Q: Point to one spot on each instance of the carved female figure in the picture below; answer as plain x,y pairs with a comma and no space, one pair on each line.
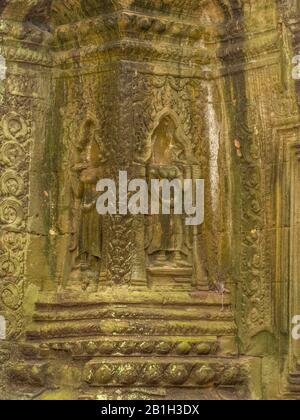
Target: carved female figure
167,235
87,223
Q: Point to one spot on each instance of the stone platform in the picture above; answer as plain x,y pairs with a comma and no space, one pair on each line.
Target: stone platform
111,345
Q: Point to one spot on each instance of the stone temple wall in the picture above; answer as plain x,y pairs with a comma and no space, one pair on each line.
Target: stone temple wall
138,306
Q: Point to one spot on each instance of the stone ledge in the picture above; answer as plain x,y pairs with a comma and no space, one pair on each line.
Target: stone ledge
123,295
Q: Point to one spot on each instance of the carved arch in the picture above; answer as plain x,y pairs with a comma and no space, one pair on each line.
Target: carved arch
179,135
47,13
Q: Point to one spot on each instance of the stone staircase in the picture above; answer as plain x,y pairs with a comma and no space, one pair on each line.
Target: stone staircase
293,386
115,347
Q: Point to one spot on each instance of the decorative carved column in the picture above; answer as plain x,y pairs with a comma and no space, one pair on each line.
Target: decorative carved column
131,300
136,307
149,69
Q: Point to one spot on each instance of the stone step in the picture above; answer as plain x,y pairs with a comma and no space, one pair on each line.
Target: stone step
134,346
107,341
167,372
291,393
206,314
292,387
115,376
132,312
69,299
294,379
226,393
107,327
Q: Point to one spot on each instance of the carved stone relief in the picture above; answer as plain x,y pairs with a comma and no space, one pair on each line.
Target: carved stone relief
145,305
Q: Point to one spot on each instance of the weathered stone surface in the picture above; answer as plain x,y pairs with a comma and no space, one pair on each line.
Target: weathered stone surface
199,89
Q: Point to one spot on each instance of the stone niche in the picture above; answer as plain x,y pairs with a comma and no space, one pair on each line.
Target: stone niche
146,307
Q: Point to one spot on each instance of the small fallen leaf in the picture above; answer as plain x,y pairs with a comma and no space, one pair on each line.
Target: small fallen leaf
237,144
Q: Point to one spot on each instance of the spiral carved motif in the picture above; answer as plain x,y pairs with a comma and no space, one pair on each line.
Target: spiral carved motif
12,184
12,241
10,296
155,372
12,154
11,212
15,127
15,135
9,266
